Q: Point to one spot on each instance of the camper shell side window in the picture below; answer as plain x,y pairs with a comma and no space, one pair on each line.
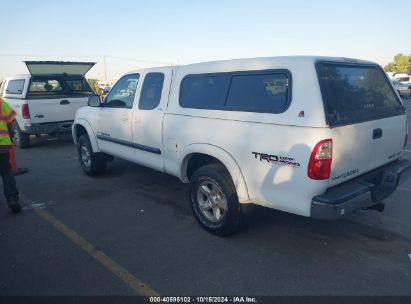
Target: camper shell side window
266,91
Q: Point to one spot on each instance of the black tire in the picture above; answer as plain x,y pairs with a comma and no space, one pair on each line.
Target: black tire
20,139
91,163
215,176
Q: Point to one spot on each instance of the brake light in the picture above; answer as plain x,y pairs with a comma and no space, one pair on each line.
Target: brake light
406,135
25,111
319,167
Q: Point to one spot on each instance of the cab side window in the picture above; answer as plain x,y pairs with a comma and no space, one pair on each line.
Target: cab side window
123,93
151,92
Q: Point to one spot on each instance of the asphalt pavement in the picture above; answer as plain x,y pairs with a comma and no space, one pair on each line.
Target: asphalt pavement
131,232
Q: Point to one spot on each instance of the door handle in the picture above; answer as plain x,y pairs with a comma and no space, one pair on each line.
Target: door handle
124,118
376,133
64,102
137,119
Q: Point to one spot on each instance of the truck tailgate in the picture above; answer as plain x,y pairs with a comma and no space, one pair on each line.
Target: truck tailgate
53,110
362,147
366,118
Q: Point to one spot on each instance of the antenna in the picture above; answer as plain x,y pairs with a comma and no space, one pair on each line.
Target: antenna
105,67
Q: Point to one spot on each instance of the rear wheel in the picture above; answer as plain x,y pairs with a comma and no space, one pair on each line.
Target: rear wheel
20,139
91,163
214,200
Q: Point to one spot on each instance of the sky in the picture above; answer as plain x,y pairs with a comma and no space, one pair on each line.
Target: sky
124,35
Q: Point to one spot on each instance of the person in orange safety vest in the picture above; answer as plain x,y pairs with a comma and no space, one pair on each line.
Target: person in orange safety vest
7,116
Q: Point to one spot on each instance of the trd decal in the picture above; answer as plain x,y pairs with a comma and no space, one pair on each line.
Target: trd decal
103,134
346,174
275,159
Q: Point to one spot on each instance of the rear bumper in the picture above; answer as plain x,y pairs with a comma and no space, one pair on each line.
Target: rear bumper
362,192
47,128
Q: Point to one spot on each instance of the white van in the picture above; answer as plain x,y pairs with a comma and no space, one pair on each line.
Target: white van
313,136
47,99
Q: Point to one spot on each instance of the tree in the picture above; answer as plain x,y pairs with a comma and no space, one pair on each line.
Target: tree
390,67
402,63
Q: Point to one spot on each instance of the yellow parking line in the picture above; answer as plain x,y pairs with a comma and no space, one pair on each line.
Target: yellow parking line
137,285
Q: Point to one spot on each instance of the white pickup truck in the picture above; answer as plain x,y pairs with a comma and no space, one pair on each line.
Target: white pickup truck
403,86
313,136
46,100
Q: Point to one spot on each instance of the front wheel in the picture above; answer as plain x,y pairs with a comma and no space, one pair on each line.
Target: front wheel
91,163
214,200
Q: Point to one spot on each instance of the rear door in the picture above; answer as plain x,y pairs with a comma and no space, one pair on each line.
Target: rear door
57,90
367,119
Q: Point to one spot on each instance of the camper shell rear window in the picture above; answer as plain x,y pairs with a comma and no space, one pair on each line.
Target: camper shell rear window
55,87
354,93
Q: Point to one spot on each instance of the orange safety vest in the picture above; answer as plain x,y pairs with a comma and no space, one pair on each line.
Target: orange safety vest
7,115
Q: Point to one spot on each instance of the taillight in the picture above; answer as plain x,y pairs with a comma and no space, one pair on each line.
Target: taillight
25,111
319,166
406,135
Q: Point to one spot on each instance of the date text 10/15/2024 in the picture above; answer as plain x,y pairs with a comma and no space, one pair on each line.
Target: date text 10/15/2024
204,299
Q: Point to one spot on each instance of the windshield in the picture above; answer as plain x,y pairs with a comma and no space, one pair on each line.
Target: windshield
356,93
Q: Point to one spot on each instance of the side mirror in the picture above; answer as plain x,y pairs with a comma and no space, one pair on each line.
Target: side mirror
94,101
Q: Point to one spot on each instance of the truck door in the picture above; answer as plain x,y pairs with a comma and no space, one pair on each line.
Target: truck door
147,125
113,119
